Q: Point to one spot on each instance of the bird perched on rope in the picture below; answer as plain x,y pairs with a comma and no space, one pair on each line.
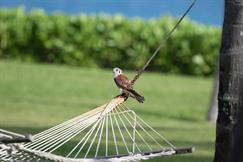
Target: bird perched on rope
125,85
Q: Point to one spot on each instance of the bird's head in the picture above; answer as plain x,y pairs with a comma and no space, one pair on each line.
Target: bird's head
117,71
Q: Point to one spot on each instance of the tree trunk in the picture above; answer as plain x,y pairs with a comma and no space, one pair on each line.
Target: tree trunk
229,131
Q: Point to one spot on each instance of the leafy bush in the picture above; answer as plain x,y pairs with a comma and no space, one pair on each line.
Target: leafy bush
107,41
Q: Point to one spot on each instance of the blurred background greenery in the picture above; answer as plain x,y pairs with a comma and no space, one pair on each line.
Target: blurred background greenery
36,97
56,66
107,41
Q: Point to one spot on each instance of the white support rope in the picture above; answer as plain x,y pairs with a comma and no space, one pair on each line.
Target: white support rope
150,148
98,145
52,141
101,123
163,138
67,139
87,134
133,141
91,132
41,134
123,140
147,132
111,132
106,135
134,135
61,129
114,135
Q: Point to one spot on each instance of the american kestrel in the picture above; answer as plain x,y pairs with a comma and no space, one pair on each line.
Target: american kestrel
125,85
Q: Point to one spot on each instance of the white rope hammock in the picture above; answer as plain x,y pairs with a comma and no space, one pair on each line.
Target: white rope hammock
111,132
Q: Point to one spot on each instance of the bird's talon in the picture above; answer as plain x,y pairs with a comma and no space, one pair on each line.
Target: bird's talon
125,96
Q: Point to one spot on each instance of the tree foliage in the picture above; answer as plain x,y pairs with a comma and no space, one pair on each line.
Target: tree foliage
107,41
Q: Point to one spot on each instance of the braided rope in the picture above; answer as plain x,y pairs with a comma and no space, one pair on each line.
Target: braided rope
162,44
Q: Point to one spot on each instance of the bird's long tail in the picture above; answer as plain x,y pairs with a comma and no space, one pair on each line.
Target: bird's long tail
137,96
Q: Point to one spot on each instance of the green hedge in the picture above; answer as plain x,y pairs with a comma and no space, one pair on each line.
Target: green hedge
107,41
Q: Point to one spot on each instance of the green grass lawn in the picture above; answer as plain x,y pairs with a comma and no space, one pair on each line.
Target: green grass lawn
36,97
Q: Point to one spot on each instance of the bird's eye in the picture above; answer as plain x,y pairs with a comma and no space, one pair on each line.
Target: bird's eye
116,69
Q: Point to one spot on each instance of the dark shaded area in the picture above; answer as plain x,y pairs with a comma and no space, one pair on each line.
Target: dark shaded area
15,140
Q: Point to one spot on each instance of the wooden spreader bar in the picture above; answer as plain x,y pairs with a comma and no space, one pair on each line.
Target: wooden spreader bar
178,150
184,150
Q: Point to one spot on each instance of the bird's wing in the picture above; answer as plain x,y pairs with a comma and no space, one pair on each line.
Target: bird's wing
123,82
